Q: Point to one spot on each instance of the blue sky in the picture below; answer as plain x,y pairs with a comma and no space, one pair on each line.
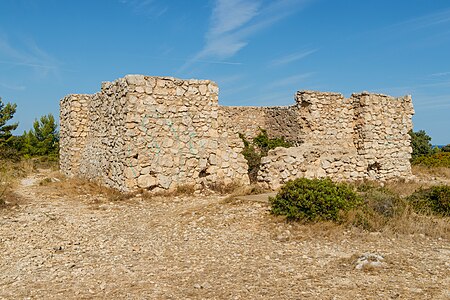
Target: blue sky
259,52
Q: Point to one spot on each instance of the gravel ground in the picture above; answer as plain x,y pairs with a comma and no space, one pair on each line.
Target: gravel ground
55,246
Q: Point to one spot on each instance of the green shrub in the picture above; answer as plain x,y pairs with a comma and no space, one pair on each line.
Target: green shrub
440,159
446,148
314,200
435,200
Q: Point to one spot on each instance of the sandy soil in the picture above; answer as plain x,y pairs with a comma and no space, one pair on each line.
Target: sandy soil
57,246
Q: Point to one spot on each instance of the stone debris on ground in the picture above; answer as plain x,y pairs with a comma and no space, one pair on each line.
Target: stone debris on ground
84,246
369,261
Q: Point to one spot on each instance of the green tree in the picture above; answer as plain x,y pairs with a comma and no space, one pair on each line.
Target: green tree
43,139
6,113
420,143
446,148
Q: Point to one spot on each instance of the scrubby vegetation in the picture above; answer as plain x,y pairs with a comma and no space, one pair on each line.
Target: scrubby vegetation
366,205
424,154
19,155
259,147
314,200
434,200
41,141
7,112
436,160
421,144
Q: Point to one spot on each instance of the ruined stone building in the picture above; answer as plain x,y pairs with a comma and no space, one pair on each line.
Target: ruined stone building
158,133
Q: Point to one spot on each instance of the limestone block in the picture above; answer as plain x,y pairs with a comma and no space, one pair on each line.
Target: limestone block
164,181
135,79
203,89
146,181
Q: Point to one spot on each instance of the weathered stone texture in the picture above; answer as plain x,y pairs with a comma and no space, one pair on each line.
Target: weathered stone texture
278,121
73,131
152,133
158,133
362,137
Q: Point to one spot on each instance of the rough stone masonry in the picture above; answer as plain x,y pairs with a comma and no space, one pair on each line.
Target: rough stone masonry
159,133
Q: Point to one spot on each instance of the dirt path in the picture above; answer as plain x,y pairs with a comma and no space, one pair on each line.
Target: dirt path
86,247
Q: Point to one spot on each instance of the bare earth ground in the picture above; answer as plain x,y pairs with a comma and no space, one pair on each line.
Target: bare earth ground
56,246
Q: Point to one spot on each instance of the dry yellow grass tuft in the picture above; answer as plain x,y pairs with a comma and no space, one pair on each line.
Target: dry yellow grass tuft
60,185
424,172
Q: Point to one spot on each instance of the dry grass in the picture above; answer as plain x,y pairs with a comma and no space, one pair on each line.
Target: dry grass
74,187
403,221
386,211
225,189
10,172
407,222
412,223
440,172
406,188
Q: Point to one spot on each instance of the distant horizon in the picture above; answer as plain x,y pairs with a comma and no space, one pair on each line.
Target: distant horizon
259,52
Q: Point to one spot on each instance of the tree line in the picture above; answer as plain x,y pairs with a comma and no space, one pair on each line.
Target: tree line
421,145
41,140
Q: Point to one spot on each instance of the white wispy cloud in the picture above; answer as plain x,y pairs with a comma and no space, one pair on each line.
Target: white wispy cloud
429,20
440,74
290,58
28,54
230,79
290,80
228,18
432,102
276,98
13,86
233,22
149,8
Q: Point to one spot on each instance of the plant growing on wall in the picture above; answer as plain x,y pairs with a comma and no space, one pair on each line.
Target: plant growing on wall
259,147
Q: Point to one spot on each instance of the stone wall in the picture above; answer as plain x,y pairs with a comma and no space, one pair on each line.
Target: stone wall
73,131
278,121
153,133
158,133
361,137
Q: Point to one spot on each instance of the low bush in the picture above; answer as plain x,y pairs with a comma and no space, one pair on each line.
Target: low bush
3,188
381,207
9,154
435,200
440,159
314,200
381,200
